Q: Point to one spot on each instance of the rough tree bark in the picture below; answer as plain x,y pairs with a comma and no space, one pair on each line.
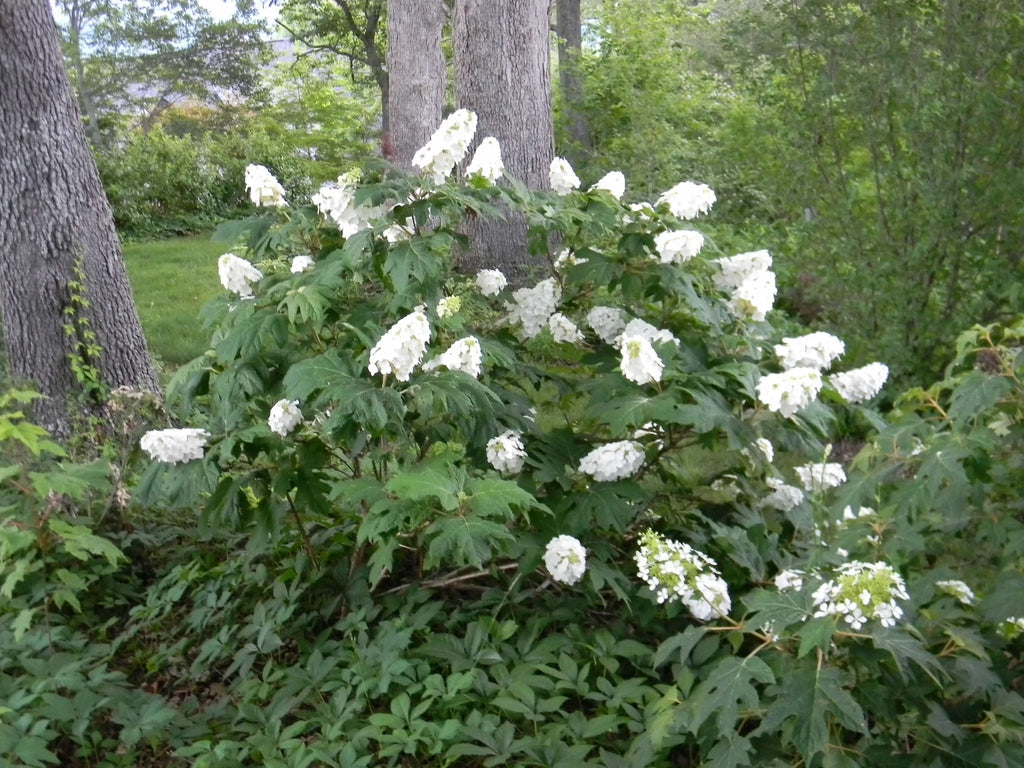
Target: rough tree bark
54,215
502,72
568,28
416,74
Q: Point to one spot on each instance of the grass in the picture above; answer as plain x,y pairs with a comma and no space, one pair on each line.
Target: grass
172,280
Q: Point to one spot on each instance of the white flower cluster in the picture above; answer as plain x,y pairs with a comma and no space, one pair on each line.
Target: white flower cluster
688,200
486,162
400,349
815,350
650,429
448,306
763,447
860,384
612,182
561,176
613,461
398,233
491,282
337,201
284,417
640,363
302,263
849,514
1012,627
535,305
464,355
678,246
172,446
861,592
751,283
817,478
607,323
676,571
448,146
566,259
643,329
237,275
506,453
566,559
639,212
957,589
783,497
263,187
791,578
736,269
789,391
564,330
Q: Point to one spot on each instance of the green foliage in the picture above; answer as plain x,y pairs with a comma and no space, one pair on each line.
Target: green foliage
130,60
372,590
160,184
64,704
890,165
333,121
864,144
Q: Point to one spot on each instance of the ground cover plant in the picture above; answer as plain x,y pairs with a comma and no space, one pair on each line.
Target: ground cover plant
405,516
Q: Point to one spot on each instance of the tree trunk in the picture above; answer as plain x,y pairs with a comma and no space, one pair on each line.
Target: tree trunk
53,217
417,71
502,72
76,15
568,27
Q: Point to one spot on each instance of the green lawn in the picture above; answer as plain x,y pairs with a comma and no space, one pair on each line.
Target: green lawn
172,280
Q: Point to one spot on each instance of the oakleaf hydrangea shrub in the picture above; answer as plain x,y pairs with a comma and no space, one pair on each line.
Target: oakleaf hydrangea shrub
623,442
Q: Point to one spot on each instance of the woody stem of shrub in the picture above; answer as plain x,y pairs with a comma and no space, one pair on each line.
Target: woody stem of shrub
307,543
447,581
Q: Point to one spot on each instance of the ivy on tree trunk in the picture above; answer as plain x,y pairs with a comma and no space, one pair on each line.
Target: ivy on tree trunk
53,217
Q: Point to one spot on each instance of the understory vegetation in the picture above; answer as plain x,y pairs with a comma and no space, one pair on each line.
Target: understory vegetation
734,479
404,516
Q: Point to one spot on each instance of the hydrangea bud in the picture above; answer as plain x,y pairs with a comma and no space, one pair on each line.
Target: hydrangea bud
957,589
174,446
565,559
237,275
284,417
820,477
491,282
640,363
400,349
688,200
678,246
783,497
607,323
612,182
535,305
486,162
860,384
563,329
614,461
815,350
263,188
302,263
448,145
506,453
464,355
789,391
563,179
